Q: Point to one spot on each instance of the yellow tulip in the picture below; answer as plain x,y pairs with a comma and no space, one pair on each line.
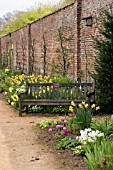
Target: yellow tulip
70,108
86,105
72,103
97,108
93,106
83,102
80,105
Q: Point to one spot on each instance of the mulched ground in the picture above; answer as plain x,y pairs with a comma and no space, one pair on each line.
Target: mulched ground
64,156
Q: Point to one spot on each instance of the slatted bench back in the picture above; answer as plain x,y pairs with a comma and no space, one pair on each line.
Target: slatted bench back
58,91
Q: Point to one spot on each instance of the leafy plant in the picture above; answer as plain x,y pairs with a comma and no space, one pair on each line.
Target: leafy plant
44,124
101,157
83,115
63,80
67,143
87,140
60,109
103,74
104,126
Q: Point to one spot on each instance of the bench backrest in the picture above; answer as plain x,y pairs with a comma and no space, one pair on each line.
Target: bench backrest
58,91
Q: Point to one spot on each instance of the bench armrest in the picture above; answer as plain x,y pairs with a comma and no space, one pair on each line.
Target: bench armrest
91,97
91,94
22,94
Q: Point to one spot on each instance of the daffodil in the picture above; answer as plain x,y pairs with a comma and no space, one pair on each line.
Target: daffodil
10,89
14,98
6,70
8,101
5,93
50,81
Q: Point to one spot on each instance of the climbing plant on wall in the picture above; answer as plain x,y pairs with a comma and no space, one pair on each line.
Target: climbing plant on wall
32,56
64,51
44,56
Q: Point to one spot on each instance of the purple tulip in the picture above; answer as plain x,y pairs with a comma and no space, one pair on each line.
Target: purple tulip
65,121
59,133
59,126
66,132
62,119
50,130
71,114
64,128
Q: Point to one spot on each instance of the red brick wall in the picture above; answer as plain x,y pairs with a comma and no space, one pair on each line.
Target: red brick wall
4,49
27,43
19,41
49,26
87,53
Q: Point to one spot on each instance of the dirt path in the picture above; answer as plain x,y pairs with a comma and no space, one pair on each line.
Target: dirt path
19,145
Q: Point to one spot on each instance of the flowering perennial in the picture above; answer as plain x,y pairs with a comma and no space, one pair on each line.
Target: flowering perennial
89,135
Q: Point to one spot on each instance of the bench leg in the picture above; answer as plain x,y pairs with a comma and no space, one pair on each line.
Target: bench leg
20,109
27,109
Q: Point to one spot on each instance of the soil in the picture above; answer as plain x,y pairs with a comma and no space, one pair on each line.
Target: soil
24,146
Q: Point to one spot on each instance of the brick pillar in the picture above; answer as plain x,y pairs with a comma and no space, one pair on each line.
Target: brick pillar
79,11
77,61
29,49
0,55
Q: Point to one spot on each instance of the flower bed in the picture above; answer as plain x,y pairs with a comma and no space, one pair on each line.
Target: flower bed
83,136
76,132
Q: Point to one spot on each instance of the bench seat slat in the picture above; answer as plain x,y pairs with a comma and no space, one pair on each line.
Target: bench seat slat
48,102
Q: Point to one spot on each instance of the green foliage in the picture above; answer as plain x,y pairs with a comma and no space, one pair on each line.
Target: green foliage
63,80
67,143
20,19
83,117
104,64
104,126
47,123
60,109
44,124
101,157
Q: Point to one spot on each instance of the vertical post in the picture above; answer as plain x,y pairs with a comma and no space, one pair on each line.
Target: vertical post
20,106
0,55
79,3
29,48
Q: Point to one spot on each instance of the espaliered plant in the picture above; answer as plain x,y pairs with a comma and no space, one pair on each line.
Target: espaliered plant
64,57
32,56
23,53
104,63
44,55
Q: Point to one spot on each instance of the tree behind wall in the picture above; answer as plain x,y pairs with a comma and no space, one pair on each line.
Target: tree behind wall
104,64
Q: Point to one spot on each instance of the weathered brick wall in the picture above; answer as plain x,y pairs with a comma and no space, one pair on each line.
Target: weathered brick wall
27,43
30,44
4,50
19,45
87,53
47,29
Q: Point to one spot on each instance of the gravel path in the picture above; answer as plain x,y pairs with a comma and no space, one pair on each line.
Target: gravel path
19,145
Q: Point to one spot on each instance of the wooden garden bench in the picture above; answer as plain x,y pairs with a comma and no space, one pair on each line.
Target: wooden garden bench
55,94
